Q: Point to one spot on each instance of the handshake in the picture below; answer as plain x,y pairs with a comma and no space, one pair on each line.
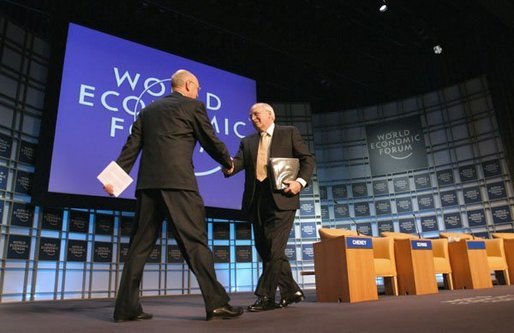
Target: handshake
229,171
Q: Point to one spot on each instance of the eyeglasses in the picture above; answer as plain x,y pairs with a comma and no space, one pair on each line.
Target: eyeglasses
196,84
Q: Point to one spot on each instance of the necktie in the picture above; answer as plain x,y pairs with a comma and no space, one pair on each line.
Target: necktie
262,157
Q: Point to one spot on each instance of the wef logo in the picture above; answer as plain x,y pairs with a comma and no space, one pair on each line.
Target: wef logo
132,94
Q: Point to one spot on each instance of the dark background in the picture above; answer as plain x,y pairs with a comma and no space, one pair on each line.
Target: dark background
333,54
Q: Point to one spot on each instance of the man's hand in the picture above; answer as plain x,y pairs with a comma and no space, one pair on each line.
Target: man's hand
109,189
228,172
293,187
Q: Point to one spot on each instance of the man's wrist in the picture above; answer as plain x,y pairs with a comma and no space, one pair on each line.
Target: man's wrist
301,181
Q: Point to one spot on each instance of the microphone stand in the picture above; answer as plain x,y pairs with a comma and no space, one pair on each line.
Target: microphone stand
471,233
353,221
416,227
356,226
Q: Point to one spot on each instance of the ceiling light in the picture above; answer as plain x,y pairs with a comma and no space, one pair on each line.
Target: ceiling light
438,49
383,7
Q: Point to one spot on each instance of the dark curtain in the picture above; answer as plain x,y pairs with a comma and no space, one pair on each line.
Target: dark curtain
500,74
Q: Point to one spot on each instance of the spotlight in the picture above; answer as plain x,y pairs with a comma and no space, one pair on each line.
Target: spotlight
438,49
383,6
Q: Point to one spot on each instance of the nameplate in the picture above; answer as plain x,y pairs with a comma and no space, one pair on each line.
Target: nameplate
476,245
358,243
421,245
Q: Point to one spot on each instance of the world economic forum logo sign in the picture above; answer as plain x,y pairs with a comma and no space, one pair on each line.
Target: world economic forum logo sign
396,146
131,92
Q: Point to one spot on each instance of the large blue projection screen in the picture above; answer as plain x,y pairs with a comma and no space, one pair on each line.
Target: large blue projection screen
106,81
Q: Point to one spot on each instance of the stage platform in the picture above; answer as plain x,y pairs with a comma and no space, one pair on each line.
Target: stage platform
484,310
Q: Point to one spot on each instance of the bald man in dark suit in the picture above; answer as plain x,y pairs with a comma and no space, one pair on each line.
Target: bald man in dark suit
166,133
271,211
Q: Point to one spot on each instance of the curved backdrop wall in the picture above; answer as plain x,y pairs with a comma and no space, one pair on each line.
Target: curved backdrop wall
424,164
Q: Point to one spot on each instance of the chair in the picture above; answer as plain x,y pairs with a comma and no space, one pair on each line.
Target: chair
508,246
497,261
325,233
457,236
504,235
398,235
385,265
495,254
442,261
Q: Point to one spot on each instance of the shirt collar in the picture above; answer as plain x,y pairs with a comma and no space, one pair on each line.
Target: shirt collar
270,129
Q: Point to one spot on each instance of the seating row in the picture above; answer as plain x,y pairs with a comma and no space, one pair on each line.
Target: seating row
407,263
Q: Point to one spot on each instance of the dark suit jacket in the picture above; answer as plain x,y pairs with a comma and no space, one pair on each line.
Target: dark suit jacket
167,131
286,142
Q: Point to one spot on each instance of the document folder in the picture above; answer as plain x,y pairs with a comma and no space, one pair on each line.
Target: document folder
282,169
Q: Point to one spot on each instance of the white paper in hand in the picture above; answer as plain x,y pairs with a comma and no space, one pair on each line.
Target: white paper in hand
113,174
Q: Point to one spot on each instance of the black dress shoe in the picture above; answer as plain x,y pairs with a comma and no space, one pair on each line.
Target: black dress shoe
263,304
297,297
225,312
141,316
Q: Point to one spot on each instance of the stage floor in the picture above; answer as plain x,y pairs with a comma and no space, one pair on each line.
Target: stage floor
484,310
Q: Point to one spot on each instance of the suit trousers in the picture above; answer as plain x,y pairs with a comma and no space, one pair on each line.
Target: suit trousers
186,215
271,228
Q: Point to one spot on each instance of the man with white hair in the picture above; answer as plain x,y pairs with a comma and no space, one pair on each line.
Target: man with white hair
272,211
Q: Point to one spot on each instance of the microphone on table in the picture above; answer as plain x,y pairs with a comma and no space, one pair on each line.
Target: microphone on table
356,226
416,226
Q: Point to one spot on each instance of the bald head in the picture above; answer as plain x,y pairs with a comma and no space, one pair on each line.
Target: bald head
186,83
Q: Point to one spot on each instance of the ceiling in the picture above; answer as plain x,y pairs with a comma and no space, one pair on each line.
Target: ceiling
334,54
